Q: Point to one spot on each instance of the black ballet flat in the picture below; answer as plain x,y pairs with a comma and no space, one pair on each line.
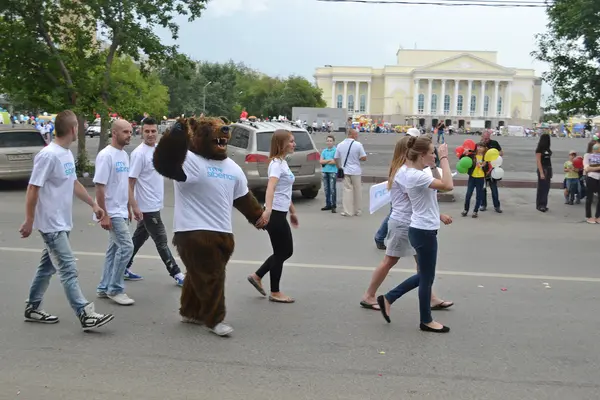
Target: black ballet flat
425,328
381,303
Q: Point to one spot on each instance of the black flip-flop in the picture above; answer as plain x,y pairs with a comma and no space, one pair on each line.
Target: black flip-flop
256,286
366,305
441,306
381,303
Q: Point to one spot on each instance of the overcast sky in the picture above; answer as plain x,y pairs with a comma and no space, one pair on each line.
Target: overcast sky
283,37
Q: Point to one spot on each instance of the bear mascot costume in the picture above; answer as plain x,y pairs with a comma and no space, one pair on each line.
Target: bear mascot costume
208,185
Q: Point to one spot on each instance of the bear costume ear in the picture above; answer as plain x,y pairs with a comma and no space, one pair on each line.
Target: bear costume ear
172,149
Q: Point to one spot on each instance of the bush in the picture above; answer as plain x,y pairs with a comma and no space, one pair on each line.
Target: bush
83,166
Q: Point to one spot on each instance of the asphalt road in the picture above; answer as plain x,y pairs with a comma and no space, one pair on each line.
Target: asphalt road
519,152
526,342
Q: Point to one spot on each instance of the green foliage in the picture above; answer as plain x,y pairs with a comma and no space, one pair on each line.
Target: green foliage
572,49
234,87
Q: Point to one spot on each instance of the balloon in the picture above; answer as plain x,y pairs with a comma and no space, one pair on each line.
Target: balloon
497,162
461,169
466,162
469,144
459,151
491,155
578,162
497,173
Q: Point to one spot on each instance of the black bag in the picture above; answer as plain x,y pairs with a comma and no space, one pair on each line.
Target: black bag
340,172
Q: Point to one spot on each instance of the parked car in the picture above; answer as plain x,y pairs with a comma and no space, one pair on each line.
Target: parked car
249,147
94,129
18,147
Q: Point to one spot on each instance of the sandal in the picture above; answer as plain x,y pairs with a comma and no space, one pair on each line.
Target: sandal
286,299
256,285
443,305
366,305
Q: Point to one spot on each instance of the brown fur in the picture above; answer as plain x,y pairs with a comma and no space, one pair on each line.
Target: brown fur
204,253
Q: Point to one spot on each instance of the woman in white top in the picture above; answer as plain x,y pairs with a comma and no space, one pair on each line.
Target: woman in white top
421,189
397,242
278,201
592,181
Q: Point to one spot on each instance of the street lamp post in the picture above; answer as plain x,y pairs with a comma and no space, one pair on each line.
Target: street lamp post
204,97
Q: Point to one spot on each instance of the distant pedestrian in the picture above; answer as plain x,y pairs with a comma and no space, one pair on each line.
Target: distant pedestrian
329,170
489,181
349,154
543,156
591,168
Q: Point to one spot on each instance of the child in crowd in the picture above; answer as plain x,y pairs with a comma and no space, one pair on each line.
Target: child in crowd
329,170
571,182
476,180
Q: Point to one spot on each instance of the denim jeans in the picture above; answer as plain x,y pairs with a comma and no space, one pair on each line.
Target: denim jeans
381,233
152,226
57,253
329,185
477,185
426,246
493,185
573,188
118,254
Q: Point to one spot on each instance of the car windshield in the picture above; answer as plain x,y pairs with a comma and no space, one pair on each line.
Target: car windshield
303,143
21,139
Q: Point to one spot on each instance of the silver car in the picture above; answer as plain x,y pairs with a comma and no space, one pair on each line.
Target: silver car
249,147
18,147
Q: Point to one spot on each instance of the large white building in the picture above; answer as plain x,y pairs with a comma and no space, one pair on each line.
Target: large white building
427,86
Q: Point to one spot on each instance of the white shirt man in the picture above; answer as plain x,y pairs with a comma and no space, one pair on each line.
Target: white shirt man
147,188
348,155
49,209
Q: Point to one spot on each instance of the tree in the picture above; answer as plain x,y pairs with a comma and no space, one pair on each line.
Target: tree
572,49
54,55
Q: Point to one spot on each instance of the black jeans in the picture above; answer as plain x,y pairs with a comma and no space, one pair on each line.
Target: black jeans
493,185
283,248
477,185
593,187
152,226
543,188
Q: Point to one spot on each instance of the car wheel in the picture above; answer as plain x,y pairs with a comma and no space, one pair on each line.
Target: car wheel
310,193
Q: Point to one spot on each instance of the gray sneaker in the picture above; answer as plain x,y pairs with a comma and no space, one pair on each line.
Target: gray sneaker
221,329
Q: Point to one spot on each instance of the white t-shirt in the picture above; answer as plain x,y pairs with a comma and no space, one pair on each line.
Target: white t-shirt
425,208
356,152
283,190
149,189
586,163
54,173
112,170
205,200
401,206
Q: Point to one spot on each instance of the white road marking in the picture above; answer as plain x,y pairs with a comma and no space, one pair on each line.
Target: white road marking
348,267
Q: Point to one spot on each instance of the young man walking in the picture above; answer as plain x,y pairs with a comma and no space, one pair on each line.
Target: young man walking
112,194
146,191
49,209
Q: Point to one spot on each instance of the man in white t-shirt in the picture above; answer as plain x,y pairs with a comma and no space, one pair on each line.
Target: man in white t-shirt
112,193
146,191
49,209
348,155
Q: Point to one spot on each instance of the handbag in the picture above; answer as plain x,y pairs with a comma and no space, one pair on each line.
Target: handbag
340,172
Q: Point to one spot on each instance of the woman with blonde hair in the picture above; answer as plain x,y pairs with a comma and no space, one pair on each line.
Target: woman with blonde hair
278,202
421,188
397,241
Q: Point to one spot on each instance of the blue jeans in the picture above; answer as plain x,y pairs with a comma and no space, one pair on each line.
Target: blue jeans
493,185
329,183
57,252
381,233
118,254
573,188
477,185
426,246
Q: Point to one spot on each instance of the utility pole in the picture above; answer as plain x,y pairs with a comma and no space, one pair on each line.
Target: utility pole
204,97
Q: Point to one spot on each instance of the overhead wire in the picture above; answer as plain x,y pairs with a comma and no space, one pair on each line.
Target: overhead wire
452,3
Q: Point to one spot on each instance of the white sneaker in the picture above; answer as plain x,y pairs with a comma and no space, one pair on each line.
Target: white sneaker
121,299
221,329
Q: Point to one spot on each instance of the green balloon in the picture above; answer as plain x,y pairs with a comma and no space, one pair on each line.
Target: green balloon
466,162
461,169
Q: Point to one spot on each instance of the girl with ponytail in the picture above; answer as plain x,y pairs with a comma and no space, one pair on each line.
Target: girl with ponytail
397,242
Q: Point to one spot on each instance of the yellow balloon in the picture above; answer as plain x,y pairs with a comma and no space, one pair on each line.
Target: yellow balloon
491,155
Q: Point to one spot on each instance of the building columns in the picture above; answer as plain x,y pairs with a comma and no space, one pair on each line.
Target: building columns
416,98
495,112
482,99
443,98
429,94
333,98
455,104
368,102
469,97
508,110
345,99
356,97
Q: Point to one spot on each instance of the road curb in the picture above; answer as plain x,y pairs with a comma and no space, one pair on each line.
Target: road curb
511,184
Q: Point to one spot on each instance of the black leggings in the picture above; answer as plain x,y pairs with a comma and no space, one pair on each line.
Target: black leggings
283,248
593,187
